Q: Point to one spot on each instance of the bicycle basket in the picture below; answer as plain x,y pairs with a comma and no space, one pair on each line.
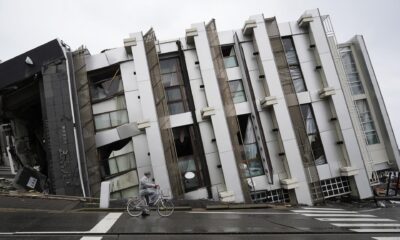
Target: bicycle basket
165,193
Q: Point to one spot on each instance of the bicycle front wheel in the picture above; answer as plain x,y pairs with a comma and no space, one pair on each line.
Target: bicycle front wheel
165,207
134,207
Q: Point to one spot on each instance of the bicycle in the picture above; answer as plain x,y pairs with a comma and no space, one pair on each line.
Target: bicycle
137,205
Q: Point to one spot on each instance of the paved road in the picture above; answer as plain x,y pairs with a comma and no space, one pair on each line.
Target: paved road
301,223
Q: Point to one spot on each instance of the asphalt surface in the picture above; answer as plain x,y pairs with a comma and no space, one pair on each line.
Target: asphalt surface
299,223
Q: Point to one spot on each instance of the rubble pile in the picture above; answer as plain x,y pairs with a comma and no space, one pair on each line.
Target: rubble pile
6,185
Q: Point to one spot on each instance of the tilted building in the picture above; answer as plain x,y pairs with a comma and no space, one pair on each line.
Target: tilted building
271,112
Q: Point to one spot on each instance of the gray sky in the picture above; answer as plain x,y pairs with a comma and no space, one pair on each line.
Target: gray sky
102,24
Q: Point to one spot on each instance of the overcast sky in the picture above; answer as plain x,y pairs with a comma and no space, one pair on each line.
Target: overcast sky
103,24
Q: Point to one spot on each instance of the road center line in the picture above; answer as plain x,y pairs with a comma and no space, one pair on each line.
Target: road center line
366,224
336,215
386,238
327,209
355,220
376,230
243,213
321,211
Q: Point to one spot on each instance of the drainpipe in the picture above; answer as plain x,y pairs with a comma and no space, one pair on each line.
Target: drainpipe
73,121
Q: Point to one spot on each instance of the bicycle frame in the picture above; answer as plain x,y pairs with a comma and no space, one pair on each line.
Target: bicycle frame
164,206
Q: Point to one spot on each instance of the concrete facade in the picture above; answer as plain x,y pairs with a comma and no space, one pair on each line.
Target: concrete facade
284,87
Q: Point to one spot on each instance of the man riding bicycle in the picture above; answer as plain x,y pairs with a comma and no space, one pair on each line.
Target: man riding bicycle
147,188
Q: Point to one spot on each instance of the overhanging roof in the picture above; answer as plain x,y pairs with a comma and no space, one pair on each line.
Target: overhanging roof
16,70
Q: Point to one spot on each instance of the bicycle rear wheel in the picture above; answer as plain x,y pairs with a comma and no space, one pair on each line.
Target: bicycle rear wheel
165,207
134,207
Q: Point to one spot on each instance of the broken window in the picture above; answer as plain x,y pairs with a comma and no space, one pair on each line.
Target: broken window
313,134
228,53
367,123
350,68
171,76
250,156
105,84
122,160
294,65
118,165
188,158
237,91
110,113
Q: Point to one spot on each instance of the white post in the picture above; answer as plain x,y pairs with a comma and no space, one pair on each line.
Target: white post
11,161
105,194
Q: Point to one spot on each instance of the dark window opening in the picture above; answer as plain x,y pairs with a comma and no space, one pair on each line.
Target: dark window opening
251,158
229,55
117,158
105,84
188,158
22,131
313,134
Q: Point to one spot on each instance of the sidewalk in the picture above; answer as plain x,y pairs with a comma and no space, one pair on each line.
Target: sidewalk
38,202
42,202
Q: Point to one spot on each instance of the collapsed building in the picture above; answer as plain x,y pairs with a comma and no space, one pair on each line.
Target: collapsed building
271,112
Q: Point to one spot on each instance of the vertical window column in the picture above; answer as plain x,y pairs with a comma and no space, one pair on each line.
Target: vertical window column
171,77
367,123
313,134
294,65
251,159
350,68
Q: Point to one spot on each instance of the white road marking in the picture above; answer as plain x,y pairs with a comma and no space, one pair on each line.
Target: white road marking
366,224
101,227
331,209
336,215
355,220
321,211
243,213
106,223
92,238
55,232
375,230
386,238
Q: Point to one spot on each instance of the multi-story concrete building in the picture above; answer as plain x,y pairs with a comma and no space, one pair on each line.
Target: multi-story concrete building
273,112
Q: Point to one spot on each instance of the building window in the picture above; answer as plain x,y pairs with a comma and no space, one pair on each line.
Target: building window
294,65
105,84
251,159
110,119
122,163
367,123
313,134
237,91
171,76
335,187
188,159
350,68
228,53
274,196
121,160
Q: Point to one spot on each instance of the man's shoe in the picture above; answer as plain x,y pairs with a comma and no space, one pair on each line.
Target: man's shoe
145,213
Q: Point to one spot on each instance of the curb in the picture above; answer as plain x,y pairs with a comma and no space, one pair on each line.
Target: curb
183,208
239,206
